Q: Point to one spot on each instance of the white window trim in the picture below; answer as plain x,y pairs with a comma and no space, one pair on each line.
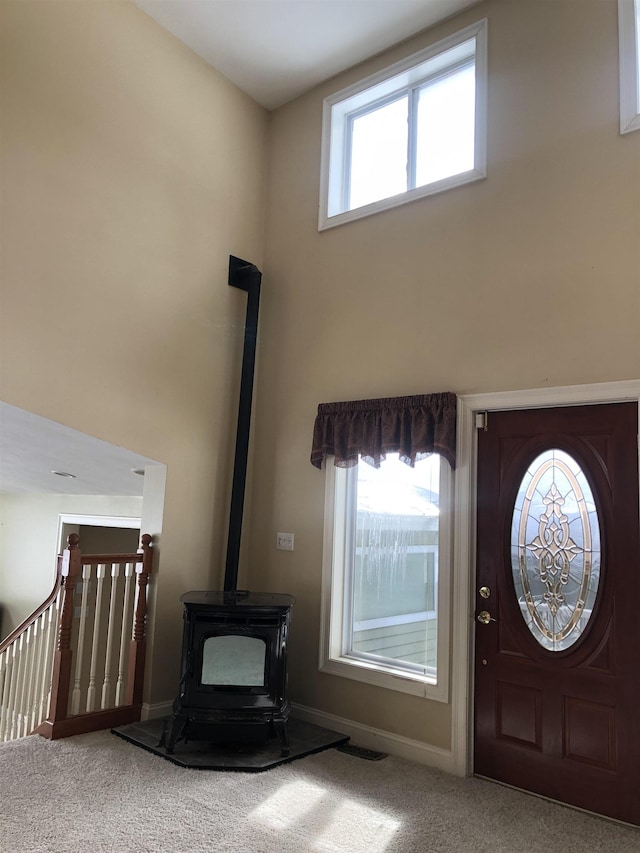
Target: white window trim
332,622
477,31
629,38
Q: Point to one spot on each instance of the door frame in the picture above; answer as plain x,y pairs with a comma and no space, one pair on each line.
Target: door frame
462,650
67,520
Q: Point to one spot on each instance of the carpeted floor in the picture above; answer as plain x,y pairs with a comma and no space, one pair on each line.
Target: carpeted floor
97,793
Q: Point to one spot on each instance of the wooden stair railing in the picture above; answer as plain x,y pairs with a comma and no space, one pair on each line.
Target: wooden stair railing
93,653
26,657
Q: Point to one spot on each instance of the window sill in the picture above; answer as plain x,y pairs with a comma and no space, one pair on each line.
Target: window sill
445,184
370,673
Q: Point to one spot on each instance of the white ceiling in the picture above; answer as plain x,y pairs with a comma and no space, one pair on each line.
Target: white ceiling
32,447
275,50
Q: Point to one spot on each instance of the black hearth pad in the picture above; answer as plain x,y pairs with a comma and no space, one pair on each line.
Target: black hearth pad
304,739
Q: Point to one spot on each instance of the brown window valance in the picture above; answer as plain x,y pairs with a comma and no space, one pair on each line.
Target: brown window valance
411,426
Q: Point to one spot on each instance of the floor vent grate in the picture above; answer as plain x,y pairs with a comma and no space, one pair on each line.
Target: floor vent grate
361,752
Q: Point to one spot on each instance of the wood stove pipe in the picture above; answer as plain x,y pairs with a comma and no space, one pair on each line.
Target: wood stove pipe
244,276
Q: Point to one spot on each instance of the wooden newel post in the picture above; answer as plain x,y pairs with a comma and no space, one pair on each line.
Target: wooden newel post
71,568
138,647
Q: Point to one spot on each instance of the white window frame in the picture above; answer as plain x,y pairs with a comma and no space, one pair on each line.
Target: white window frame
335,623
629,38
407,73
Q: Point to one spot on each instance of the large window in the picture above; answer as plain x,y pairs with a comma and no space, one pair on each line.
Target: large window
629,32
414,129
386,574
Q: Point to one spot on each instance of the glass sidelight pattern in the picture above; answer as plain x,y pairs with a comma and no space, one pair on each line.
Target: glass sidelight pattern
555,550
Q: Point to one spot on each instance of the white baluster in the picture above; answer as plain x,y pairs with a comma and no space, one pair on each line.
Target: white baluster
106,683
25,699
91,692
6,669
84,605
126,605
23,667
34,681
13,688
51,624
9,690
3,673
37,673
43,673
34,671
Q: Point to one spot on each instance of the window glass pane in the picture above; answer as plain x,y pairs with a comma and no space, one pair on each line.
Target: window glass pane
629,39
378,153
555,550
395,572
637,11
446,127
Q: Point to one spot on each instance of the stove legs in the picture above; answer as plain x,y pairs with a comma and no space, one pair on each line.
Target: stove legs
173,730
178,725
282,732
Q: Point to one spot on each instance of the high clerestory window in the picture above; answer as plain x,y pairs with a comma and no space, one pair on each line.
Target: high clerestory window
413,129
629,33
386,556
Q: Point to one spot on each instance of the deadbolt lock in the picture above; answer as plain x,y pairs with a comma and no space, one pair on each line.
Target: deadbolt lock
484,617
484,591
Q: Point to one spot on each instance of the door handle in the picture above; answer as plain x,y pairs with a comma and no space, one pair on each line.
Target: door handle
484,617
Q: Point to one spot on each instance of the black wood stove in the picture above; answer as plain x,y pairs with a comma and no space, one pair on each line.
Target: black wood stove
234,668
233,684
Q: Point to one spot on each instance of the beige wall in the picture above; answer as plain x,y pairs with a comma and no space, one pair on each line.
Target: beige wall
130,171
29,531
528,279
108,540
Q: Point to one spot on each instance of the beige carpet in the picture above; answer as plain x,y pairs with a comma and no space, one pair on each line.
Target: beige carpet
97,793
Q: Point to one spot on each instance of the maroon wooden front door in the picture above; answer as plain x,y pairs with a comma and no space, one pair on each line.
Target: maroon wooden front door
557,661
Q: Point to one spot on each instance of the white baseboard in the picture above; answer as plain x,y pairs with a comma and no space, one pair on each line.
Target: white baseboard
370,738
361,735
157,709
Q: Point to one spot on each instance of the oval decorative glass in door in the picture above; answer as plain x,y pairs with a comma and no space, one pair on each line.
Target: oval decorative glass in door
555,550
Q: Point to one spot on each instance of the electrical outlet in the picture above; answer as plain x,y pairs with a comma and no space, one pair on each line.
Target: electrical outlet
284,541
